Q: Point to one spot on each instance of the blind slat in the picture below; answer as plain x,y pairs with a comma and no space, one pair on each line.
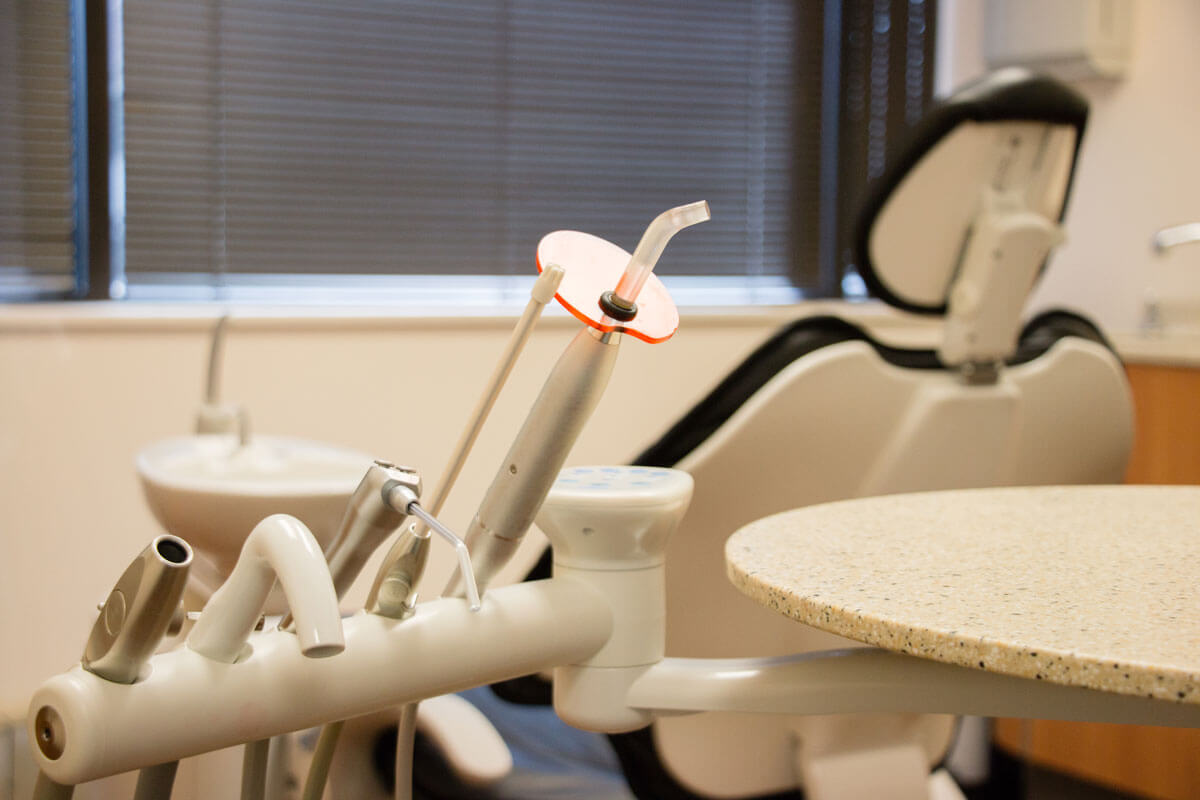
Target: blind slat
402,132
36,179
391,137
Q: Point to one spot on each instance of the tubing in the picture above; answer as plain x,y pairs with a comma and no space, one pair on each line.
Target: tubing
189,704
212,383
155,783
318,768
406,731
653,242
460,550
47,789
254,769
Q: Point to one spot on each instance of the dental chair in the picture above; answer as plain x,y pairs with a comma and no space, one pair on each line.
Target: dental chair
960,228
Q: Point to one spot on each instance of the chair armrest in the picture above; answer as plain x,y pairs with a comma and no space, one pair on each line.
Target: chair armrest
470,744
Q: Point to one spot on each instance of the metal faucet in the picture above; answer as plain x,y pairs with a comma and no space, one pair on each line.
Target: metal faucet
1175,235
1162,241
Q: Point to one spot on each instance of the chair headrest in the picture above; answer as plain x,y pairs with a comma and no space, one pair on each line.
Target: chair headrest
1013,134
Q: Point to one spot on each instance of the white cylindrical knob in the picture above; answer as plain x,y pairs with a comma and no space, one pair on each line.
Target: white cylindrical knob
614,517
609,527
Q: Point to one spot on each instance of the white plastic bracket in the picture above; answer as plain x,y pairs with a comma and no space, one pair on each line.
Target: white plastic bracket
475,750
867,680
1003,254
888,773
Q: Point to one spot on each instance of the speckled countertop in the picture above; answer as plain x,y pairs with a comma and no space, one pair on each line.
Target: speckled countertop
1083,586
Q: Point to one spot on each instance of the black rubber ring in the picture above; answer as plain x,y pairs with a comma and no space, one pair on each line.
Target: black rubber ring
618,311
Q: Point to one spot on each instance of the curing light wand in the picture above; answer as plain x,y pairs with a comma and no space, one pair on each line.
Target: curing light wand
574,386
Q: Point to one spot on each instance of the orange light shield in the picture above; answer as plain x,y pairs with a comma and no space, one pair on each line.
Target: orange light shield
593,266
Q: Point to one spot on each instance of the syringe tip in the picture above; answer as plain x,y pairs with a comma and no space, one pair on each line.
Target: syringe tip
692,213
654,240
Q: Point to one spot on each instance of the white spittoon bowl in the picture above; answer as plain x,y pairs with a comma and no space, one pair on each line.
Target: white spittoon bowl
211,490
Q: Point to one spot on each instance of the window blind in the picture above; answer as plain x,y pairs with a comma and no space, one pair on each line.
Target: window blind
886,85
372,137
37,253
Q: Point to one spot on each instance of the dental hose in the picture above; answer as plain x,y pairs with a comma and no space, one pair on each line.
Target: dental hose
406,732
155,783
254,769
318,770
46,789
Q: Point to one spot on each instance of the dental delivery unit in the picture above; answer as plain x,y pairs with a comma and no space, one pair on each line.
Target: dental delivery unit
599,624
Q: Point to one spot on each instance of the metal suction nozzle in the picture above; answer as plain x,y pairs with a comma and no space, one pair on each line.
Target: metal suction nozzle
369,520
138,611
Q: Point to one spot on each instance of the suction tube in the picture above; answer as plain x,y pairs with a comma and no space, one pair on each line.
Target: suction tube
138,611
280,546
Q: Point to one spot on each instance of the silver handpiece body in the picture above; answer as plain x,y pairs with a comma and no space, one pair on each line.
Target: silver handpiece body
395,592
538,452
369,520
138,611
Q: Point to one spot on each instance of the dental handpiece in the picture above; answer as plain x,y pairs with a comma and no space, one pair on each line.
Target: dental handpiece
537,454
370,518
138,611
562,408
